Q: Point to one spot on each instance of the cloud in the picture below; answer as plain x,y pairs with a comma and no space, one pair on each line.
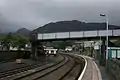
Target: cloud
34,13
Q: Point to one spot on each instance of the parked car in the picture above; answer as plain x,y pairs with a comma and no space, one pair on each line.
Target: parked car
68,49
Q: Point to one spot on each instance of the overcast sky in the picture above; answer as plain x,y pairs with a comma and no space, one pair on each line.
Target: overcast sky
33,13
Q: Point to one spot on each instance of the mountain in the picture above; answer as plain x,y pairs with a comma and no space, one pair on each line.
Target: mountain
23,31
74,25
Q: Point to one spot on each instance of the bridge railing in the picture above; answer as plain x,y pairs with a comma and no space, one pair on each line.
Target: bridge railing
77,34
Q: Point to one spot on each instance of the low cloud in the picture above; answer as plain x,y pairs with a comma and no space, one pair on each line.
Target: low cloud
33,13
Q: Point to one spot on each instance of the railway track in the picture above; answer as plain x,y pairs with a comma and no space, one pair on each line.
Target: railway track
29,68
10,60
67,69
75,71
18,70
70,71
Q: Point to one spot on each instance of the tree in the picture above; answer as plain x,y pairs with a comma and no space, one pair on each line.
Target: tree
20,42
17,41
62,44
117,43
6,42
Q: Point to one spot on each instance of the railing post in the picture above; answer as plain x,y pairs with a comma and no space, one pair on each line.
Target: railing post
97,32
83,33
55,35
112,33
42,36
69,34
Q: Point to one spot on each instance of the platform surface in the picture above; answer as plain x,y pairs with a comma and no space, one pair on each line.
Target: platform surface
95,72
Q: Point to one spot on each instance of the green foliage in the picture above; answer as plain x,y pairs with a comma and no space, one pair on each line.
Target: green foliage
117,43
17,41
61,45
21,41
7,41
87,51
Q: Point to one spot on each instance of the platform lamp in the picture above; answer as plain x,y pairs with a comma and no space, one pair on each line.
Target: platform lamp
106,17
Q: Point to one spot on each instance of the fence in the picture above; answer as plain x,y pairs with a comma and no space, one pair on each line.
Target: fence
113,62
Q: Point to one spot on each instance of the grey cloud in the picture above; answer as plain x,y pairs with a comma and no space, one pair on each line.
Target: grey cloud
33,13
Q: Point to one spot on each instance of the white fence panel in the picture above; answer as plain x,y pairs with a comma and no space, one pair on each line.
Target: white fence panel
76,34
39,36
104,33
90,33
49,36
62,35
116,32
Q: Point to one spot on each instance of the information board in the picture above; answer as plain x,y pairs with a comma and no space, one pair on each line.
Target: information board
118,54
114,54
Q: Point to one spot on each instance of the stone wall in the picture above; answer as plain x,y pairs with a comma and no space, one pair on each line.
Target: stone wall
114,68
9,55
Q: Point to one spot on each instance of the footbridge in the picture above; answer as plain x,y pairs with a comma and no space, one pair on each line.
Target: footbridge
77,35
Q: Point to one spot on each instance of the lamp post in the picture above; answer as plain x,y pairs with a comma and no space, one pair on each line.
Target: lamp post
100,45
103,15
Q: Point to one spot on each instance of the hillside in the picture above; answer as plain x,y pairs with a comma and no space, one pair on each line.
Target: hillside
64,26
23,31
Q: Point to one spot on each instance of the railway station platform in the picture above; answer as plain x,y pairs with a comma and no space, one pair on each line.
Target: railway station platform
94,71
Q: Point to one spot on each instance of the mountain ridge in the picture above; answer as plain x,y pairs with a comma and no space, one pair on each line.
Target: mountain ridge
23,31
74,25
